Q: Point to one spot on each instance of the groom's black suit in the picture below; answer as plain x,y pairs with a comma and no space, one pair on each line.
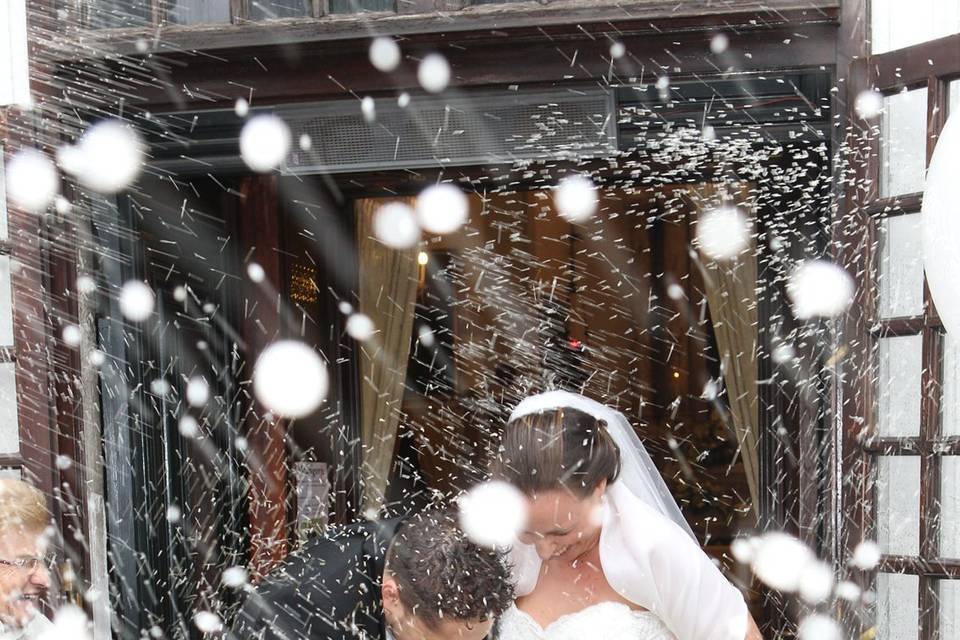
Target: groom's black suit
329,589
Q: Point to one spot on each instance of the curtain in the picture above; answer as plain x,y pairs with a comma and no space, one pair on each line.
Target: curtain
731,291
388,289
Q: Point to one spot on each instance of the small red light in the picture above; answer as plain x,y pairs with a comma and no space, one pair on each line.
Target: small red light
575,344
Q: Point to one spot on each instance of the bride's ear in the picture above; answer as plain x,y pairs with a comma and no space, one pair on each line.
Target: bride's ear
601,489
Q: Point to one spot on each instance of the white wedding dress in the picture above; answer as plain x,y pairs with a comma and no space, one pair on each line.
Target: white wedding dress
601,621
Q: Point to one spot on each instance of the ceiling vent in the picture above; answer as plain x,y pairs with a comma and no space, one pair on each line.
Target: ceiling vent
463,129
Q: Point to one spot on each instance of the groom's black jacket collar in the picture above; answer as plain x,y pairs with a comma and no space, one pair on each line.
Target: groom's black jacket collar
329,589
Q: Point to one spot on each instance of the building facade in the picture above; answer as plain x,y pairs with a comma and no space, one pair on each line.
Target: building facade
836,431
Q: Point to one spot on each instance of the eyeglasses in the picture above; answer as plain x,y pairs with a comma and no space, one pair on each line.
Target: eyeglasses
29,564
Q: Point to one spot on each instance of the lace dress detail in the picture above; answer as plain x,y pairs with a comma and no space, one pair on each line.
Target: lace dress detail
602,621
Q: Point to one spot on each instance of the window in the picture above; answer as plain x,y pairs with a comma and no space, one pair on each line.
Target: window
895,24
272,9
198,11
111,14
913,413
10,460
361,6
14,71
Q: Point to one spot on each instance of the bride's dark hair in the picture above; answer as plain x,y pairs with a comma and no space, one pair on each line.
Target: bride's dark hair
559,448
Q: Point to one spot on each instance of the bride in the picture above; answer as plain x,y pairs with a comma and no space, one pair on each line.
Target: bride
606,552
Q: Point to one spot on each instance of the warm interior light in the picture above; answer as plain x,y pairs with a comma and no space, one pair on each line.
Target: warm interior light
676,374
423,258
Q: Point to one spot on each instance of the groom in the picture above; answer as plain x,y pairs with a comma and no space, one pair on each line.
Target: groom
419,579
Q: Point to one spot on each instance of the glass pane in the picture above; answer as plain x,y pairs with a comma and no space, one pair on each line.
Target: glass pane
953,102
898,505
198,11
898,606
11,472
897,23
3,199
6,304
272,9
901,267
898,386
949,609
357,6
903,143
950,507
9,426
950,416
113,14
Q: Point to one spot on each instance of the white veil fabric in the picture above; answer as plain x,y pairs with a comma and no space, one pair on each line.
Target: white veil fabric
637,471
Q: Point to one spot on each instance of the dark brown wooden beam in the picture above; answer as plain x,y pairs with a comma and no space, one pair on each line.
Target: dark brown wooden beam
943,568
668,14
912,66
493,59
895,206
260,241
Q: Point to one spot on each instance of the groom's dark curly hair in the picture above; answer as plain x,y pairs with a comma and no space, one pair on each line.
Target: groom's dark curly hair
441,574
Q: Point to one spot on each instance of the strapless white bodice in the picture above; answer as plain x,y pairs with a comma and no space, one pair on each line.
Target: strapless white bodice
601,621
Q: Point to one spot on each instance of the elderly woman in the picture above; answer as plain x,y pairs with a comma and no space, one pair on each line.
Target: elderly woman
24,578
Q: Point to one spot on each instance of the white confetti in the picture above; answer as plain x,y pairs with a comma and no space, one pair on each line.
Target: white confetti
819,288
71,335
817,626
111,153
742,550
434,73
384,53
368,108
442,208
816,582
848,591
208,622
69,621
360,327
234,577
241,107
160,387
86,284
780,560
198,392
576,198
493,514
395,225
866,555
255,272
136,301
31,180
719,43
264,143
290,379
868,104
723,233
188,427
62,205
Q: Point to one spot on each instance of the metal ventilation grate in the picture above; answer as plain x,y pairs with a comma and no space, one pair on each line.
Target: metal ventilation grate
431,131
